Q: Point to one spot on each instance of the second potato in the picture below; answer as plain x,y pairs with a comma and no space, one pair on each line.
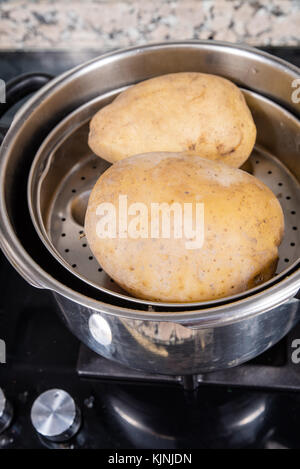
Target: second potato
180,112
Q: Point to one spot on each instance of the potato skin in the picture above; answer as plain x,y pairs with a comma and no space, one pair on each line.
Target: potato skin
243,227
196,112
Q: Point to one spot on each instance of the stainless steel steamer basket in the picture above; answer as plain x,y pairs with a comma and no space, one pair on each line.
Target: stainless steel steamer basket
161,339
65,170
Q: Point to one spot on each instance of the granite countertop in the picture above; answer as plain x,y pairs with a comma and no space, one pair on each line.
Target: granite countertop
105,25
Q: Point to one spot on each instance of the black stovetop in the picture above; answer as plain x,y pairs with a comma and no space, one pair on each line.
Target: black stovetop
258,407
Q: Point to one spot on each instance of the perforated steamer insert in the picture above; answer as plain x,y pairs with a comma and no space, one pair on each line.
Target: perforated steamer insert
65,170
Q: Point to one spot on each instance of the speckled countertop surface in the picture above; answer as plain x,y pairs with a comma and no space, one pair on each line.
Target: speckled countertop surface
104,25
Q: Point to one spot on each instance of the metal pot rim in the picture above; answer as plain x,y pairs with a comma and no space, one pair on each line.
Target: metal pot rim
212,316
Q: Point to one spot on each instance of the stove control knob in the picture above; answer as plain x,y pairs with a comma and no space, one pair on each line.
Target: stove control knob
6,412
55,415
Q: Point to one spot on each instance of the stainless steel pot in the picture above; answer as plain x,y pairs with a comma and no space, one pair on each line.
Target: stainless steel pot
159,338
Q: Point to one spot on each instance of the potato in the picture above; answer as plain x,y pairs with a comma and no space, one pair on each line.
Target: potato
243,227
196,112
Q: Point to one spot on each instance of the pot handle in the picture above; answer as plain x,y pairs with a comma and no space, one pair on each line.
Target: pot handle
21,86
17,89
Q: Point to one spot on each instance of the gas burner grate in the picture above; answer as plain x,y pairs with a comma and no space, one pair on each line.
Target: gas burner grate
274,369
